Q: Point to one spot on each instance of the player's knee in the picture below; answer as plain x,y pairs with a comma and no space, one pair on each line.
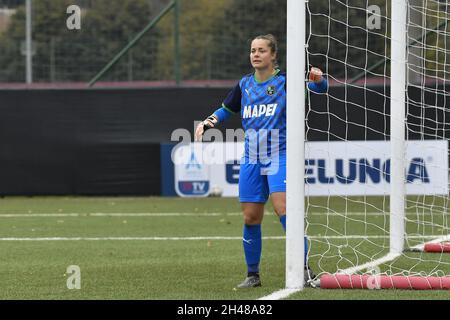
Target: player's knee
280,210
253,213
251,218
251,221
279,203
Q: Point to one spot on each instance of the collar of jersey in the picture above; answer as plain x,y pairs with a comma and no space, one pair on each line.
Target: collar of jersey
273,75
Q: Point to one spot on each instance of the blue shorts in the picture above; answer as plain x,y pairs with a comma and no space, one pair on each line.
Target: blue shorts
257,181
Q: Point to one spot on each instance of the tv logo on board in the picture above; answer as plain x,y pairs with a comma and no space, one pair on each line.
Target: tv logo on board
194,188
192,177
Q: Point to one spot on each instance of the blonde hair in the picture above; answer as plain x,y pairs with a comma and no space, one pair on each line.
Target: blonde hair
273,45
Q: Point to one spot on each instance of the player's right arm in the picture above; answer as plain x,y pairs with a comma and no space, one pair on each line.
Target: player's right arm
230,106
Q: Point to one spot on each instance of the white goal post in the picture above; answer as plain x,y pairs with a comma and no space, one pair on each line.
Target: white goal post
378,207
398,150
295,168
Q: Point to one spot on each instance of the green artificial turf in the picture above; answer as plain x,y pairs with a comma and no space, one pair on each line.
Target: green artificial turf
173,248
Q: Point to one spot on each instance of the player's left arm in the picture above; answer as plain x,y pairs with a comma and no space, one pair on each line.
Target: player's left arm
233,100
318,83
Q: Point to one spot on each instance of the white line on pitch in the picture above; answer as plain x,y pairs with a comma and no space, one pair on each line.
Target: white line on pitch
130,238
201,238
369,265
345,214
277,295
187,214
102,214
373,237
437,240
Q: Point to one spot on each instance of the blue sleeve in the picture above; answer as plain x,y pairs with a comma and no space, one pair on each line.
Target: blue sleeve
222,114
232,102
320,87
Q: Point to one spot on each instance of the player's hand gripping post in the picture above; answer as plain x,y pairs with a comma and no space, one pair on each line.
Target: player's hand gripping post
206,124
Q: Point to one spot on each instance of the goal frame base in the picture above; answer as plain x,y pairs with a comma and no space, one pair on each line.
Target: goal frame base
344,281
437,247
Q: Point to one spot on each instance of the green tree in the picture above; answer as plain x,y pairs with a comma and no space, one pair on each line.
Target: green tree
77,55
12,63
242,21
339,38
197,20
437,41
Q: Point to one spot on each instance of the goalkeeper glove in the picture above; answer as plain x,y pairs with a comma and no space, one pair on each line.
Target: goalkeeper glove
206,124
315,75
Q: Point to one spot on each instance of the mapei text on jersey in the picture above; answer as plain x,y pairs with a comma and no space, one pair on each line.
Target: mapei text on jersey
254,111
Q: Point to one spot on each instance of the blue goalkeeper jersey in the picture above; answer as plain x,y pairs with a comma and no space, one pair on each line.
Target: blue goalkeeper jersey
262,106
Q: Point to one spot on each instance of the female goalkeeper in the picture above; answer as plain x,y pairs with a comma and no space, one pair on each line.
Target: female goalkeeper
260,99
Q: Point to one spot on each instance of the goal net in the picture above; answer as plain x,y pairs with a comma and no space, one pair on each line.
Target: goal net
366,228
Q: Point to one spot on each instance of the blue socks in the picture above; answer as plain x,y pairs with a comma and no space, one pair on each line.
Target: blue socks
283,223
252,242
